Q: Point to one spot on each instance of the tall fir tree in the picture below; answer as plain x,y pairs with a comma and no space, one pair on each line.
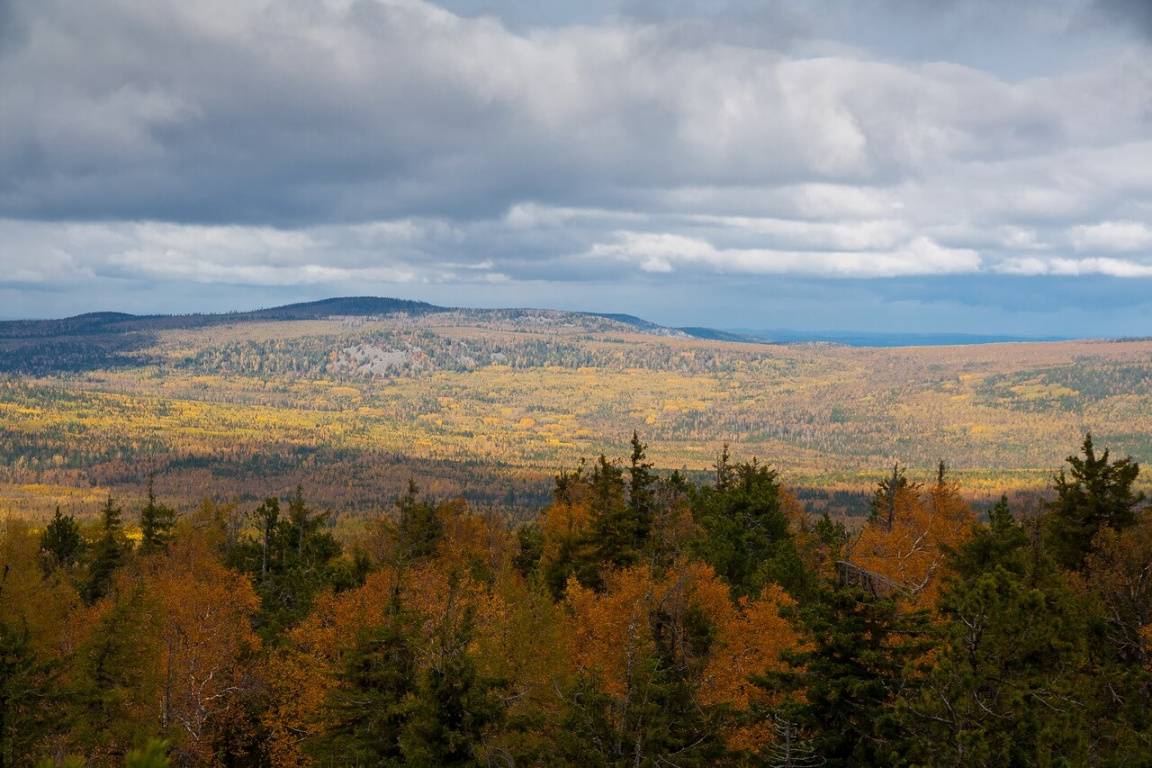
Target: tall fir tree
744,531
116,681
1011,681
25,686
453,704
369,711
156,523
840,690
1095,492
296,559
641,490
419,528
108,552
614,527
267,518
61,542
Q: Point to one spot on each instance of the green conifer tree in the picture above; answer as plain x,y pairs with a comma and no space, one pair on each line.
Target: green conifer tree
840,692
61,542
641,490
295,557
614,526
156,523
107,554
453,703
1095,492
109,678
745,534
1011,683
24,684
369,711
419,527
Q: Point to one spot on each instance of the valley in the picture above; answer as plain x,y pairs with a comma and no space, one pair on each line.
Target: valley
351,399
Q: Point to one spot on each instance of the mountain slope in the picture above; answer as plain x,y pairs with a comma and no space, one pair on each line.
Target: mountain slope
108,339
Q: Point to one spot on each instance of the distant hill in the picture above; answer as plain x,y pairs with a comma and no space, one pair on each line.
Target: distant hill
858,339
350,306
107,339
110,339
713,334
122,322
640,324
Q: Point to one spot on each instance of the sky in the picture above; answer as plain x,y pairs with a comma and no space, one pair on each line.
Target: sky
963,166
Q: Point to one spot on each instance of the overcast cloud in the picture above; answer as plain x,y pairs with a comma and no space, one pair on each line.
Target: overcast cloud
873,164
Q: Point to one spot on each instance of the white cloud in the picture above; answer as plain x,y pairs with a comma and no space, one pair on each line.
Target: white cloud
1032,266
43,253
526,216
663,252
873,234
274,112
1112,236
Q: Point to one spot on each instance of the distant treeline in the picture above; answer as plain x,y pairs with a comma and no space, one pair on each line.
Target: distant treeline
101,340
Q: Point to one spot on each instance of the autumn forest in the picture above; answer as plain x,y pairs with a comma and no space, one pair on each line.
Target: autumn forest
420,538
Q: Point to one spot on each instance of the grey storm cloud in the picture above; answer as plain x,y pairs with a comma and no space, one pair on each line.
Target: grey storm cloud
293,112
1136,13
399,143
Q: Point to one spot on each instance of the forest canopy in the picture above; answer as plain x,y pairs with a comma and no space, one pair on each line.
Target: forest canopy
642,618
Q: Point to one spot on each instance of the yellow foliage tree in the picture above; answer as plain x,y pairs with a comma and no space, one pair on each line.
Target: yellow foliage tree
47,608
1117,570
206,637
613,632
906,542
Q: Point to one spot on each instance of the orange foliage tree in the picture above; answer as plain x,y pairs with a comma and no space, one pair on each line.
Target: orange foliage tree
207,642
687,611
906,539
464,591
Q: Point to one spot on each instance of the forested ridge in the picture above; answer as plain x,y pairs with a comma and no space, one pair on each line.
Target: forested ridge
643,617
315,539
487,405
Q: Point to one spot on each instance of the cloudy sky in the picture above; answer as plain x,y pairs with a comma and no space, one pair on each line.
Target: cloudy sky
883,165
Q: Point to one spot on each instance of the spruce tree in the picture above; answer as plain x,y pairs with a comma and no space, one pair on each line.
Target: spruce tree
24,687
61,542
840,691
111,675
107,553
305,544
296,560
453,703
156,523
1094,493
267,518
745,534
1011,682
419,527
641,490
614,527
369,711
530,541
